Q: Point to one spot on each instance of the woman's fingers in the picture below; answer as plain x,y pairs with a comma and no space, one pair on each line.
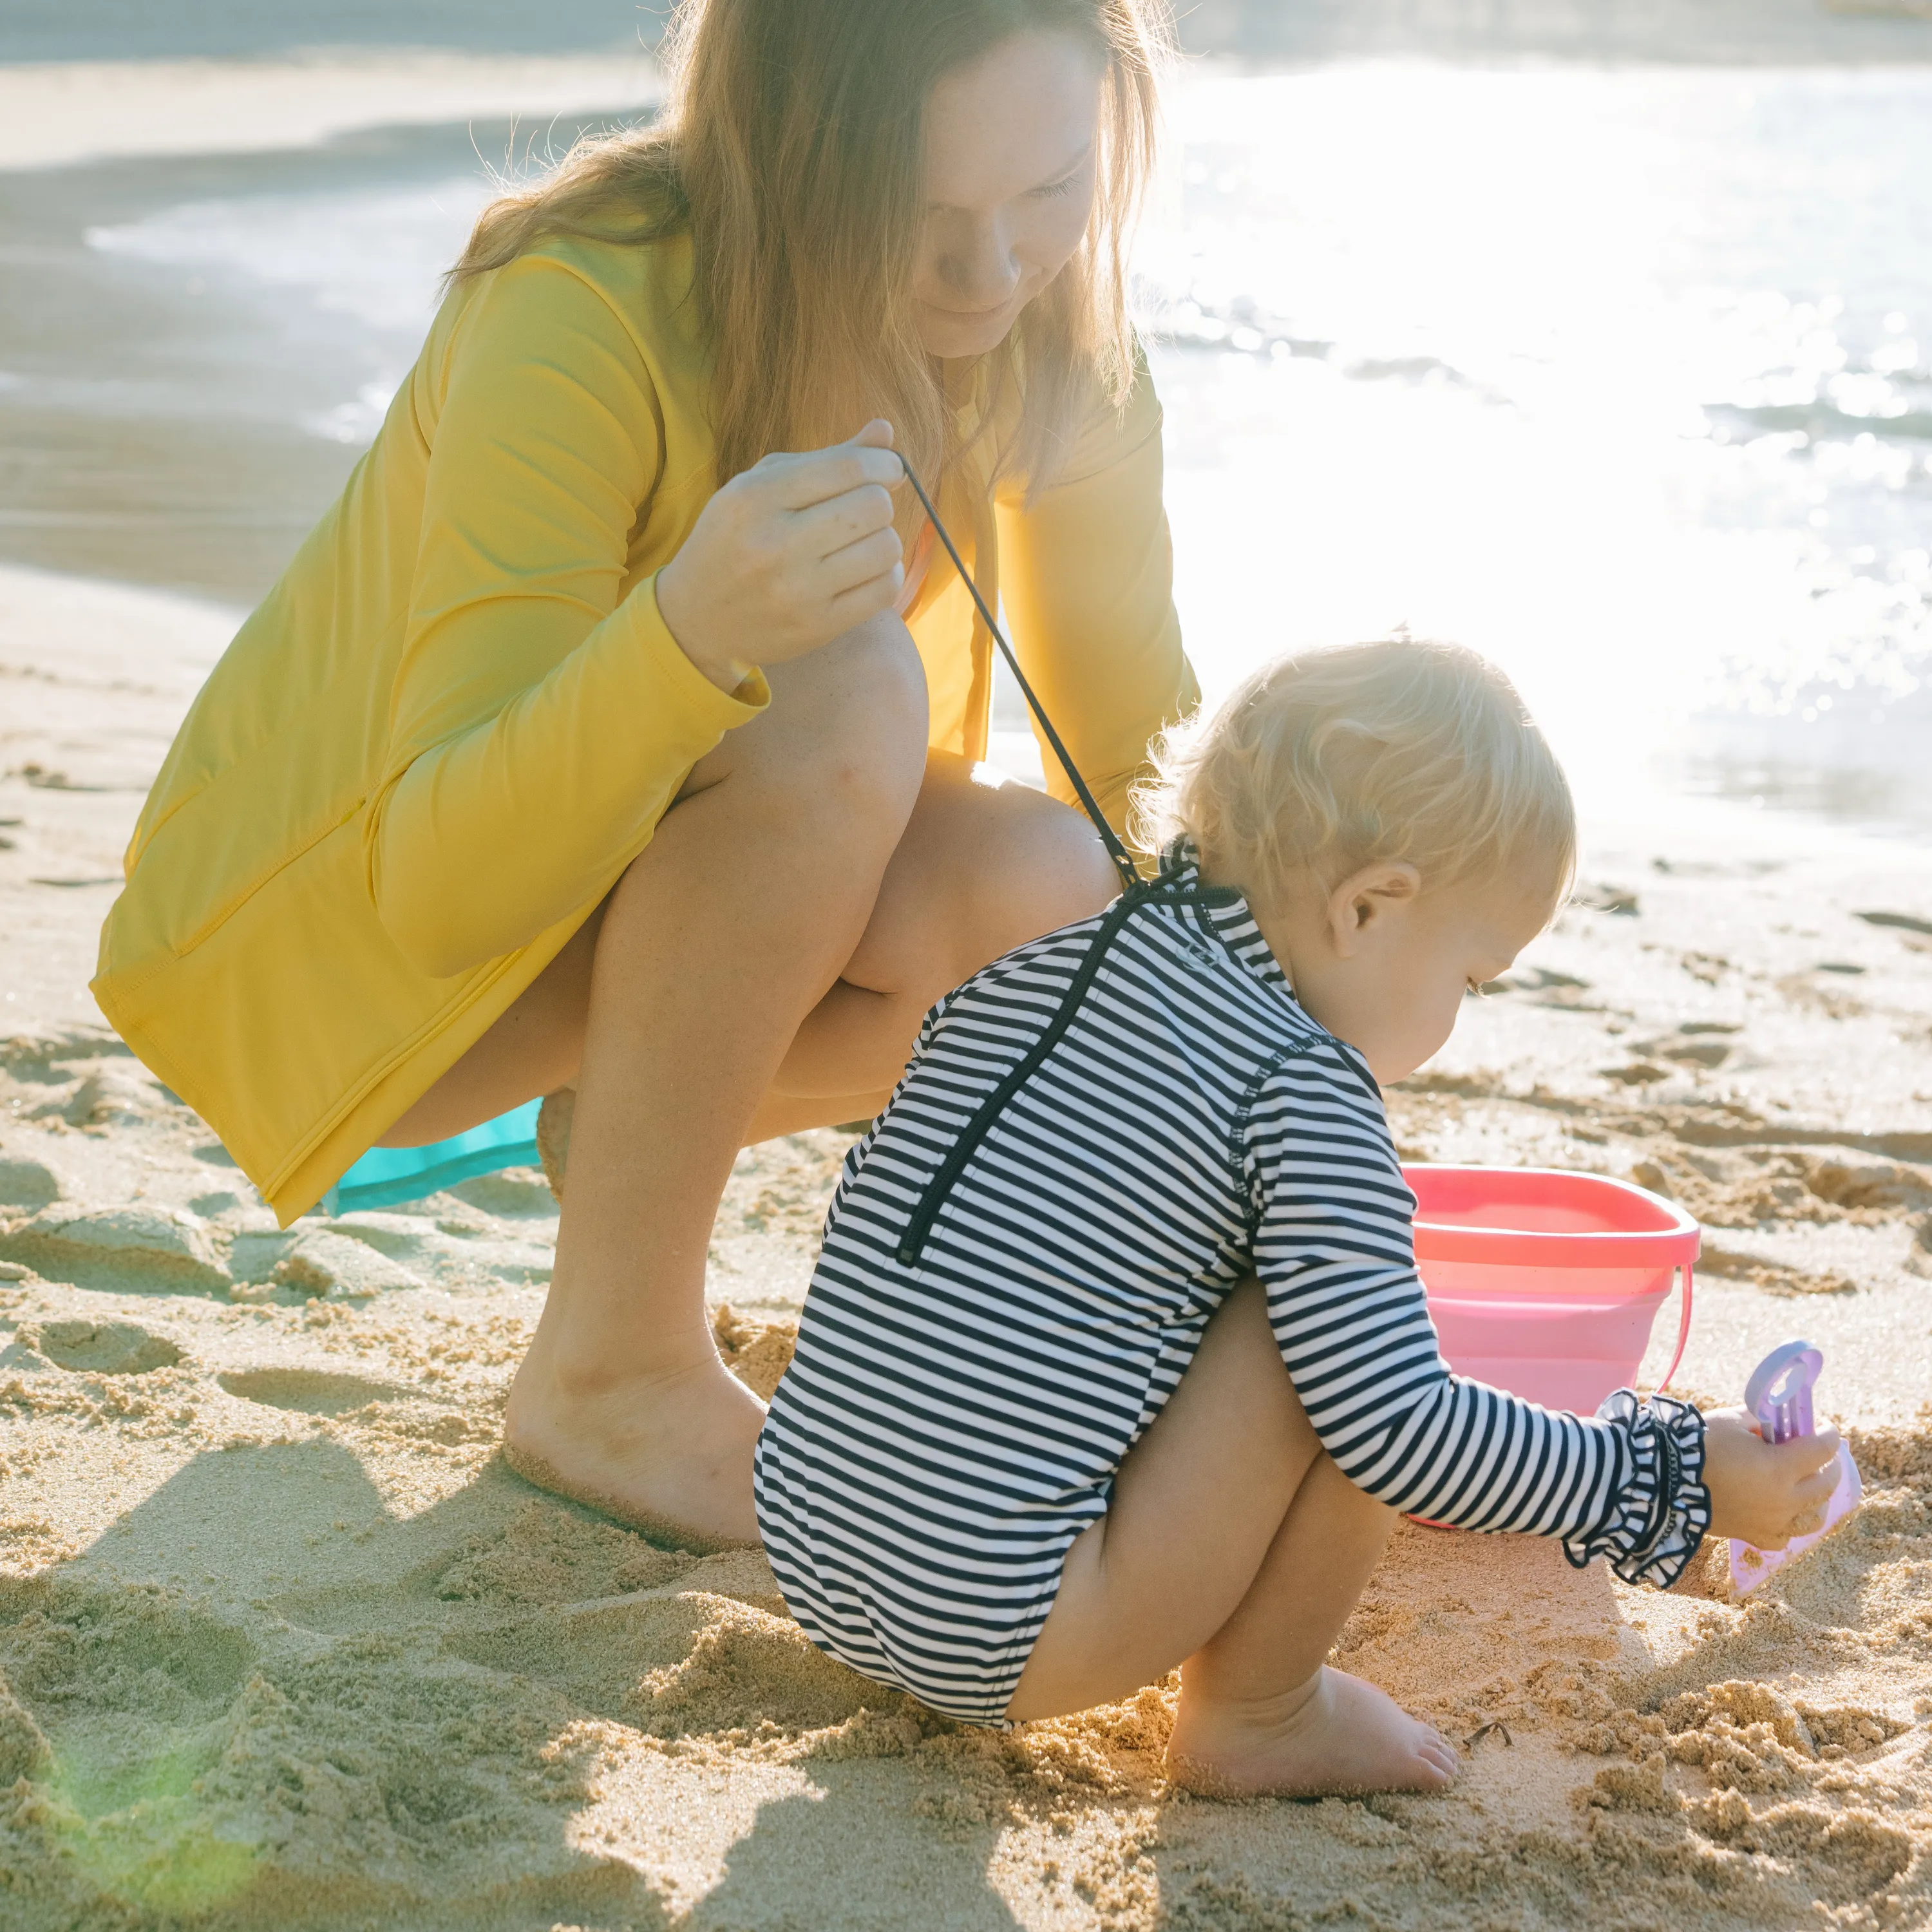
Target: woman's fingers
860,562
800,482
828,526
786,557
866,600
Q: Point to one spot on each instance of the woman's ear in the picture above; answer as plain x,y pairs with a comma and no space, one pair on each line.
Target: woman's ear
1374,898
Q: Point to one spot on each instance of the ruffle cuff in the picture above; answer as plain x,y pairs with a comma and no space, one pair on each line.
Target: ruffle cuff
1664,1509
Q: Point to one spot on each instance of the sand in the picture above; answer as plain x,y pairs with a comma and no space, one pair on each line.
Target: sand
284,1643
54,113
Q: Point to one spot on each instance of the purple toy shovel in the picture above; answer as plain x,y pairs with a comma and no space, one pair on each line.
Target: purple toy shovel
1779,1394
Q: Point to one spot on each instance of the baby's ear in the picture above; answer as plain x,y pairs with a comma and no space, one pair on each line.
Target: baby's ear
1372,896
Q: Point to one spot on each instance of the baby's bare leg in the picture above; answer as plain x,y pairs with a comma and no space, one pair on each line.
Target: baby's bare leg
1235,1544
1260,1711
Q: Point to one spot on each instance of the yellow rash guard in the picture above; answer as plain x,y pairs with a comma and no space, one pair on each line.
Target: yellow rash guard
458,717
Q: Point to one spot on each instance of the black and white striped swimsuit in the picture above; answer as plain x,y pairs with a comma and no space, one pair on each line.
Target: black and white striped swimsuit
1097,1137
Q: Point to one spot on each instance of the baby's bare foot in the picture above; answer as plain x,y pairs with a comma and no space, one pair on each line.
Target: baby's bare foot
670,1454
1334,1735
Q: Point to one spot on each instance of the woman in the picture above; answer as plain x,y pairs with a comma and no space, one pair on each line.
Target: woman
550,762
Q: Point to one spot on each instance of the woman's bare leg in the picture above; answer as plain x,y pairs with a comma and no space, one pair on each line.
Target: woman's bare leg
983,867
760,968
716,944
1245,1582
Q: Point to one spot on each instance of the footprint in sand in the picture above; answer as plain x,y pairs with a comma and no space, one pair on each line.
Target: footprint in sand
517,1193
1774,1277
310,1391
1903,921
105,1348
27,1183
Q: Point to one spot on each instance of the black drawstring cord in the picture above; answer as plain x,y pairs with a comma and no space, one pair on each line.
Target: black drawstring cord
1136,893
1116,851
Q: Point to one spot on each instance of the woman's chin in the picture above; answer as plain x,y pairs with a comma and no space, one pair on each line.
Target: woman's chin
951,338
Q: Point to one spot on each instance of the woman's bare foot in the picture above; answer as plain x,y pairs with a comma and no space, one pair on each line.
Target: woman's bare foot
1332,1734
669,1453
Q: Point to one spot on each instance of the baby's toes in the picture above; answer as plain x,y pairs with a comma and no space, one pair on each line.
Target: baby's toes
1437,1752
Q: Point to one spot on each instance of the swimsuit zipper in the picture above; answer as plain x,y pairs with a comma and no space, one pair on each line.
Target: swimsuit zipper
1138,892
1164,891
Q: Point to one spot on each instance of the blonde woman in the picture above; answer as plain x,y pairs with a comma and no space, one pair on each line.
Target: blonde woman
590,742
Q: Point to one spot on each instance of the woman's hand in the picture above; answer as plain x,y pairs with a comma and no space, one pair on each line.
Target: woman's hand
1765,1493
786,557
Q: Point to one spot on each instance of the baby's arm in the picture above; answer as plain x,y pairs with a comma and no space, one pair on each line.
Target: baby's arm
1334,1248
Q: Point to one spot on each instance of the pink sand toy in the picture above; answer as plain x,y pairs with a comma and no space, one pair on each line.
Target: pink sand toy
1779,1394
1547,1283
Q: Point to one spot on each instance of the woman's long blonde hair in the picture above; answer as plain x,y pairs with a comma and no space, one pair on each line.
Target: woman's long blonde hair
790,149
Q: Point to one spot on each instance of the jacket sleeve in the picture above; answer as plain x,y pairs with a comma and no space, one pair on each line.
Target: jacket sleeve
1334,1247
1086,570
539,726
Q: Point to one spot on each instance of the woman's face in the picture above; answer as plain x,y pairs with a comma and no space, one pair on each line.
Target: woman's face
1009,179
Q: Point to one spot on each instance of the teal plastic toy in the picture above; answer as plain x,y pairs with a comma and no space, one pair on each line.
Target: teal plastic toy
386,1175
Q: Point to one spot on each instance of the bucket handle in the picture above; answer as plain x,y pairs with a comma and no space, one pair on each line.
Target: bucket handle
1683,1333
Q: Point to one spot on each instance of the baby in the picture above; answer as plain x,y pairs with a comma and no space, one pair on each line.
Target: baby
1116,1357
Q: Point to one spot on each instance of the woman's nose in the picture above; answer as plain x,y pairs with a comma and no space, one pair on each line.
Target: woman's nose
978,264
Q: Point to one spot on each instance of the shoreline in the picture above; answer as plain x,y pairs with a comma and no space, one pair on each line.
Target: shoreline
68,113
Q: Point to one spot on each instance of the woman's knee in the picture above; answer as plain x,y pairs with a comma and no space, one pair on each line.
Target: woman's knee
1035,864
982,869
846,726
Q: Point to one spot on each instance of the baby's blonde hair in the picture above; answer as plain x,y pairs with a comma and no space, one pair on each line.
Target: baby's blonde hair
1335,759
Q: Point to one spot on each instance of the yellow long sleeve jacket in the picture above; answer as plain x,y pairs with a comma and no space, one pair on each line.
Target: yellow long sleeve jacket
459,716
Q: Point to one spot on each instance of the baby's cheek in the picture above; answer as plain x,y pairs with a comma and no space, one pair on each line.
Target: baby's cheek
1447,1009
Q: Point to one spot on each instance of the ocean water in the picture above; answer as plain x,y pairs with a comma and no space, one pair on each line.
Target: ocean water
1624,377
364,263
64,30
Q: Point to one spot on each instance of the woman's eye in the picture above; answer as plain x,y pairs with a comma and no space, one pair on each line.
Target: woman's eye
1056,188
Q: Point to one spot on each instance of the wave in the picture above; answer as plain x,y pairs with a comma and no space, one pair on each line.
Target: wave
375,257
1820,420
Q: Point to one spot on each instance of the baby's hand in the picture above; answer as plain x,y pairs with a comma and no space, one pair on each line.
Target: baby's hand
1765,1493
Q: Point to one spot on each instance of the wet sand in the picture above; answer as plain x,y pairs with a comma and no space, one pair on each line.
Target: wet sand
284,1643
190,358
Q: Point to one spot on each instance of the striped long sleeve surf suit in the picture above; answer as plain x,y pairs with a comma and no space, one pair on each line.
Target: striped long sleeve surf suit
1098,1138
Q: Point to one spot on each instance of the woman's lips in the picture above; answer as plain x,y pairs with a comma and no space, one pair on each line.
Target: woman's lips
971,315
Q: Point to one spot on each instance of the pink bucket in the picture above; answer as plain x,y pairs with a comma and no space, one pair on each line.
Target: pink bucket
1547,1283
